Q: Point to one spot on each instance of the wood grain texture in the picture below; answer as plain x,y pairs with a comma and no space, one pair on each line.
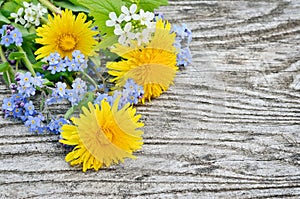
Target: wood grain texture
229,127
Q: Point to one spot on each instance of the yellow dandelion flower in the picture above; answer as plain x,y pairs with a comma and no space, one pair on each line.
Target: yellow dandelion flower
103,136
152,66
64,34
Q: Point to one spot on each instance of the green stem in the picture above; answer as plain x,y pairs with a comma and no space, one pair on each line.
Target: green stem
50,6
88,97
69,112
96,61
69,79
17,66
8,77
44,20
90,79
3,58
43,96
28,64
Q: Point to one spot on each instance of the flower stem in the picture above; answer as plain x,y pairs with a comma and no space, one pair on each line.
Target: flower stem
69,112
8,77
88,97
90,79
28,64
50,6
44,20
3,58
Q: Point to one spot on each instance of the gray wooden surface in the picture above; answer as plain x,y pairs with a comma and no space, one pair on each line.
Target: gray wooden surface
228,128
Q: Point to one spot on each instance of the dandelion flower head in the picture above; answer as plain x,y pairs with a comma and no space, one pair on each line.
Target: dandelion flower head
64,34
152,66
103,135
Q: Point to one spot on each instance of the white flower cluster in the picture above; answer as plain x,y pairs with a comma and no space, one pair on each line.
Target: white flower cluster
141,30
32,14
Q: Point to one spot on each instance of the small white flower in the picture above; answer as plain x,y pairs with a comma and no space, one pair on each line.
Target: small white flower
33,14
142,37
125,35
118,30
129,13
125,10
121,18
18,16
27,25
30,15
40,10
113,19
37,22
128,27
146,17
152,27
27,5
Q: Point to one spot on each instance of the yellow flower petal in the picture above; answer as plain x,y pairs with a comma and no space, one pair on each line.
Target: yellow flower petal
64,34
153,67
104,135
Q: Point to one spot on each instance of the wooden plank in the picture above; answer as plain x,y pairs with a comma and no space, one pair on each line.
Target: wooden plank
229,127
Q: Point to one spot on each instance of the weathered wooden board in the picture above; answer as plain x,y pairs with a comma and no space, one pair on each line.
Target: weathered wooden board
229,127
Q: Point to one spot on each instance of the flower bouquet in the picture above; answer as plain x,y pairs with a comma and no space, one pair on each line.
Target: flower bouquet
95,60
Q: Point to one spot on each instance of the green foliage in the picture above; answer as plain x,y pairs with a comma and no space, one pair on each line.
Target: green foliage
8,74
29,35
4,67
16,56
150,5
108,40
67,76
28,44
72,5
147,5
9,7
1,2
89,97
100,10
3,18
29,50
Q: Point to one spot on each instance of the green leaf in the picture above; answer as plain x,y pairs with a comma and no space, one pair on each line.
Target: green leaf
4,67
21,28
74,8
5,77
4,19
112,56
8,7
29,36
107,41
48,83
148,5
100,9
8,76
16,56
38,65
75,2
1,2
89,97
28,48
67,76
